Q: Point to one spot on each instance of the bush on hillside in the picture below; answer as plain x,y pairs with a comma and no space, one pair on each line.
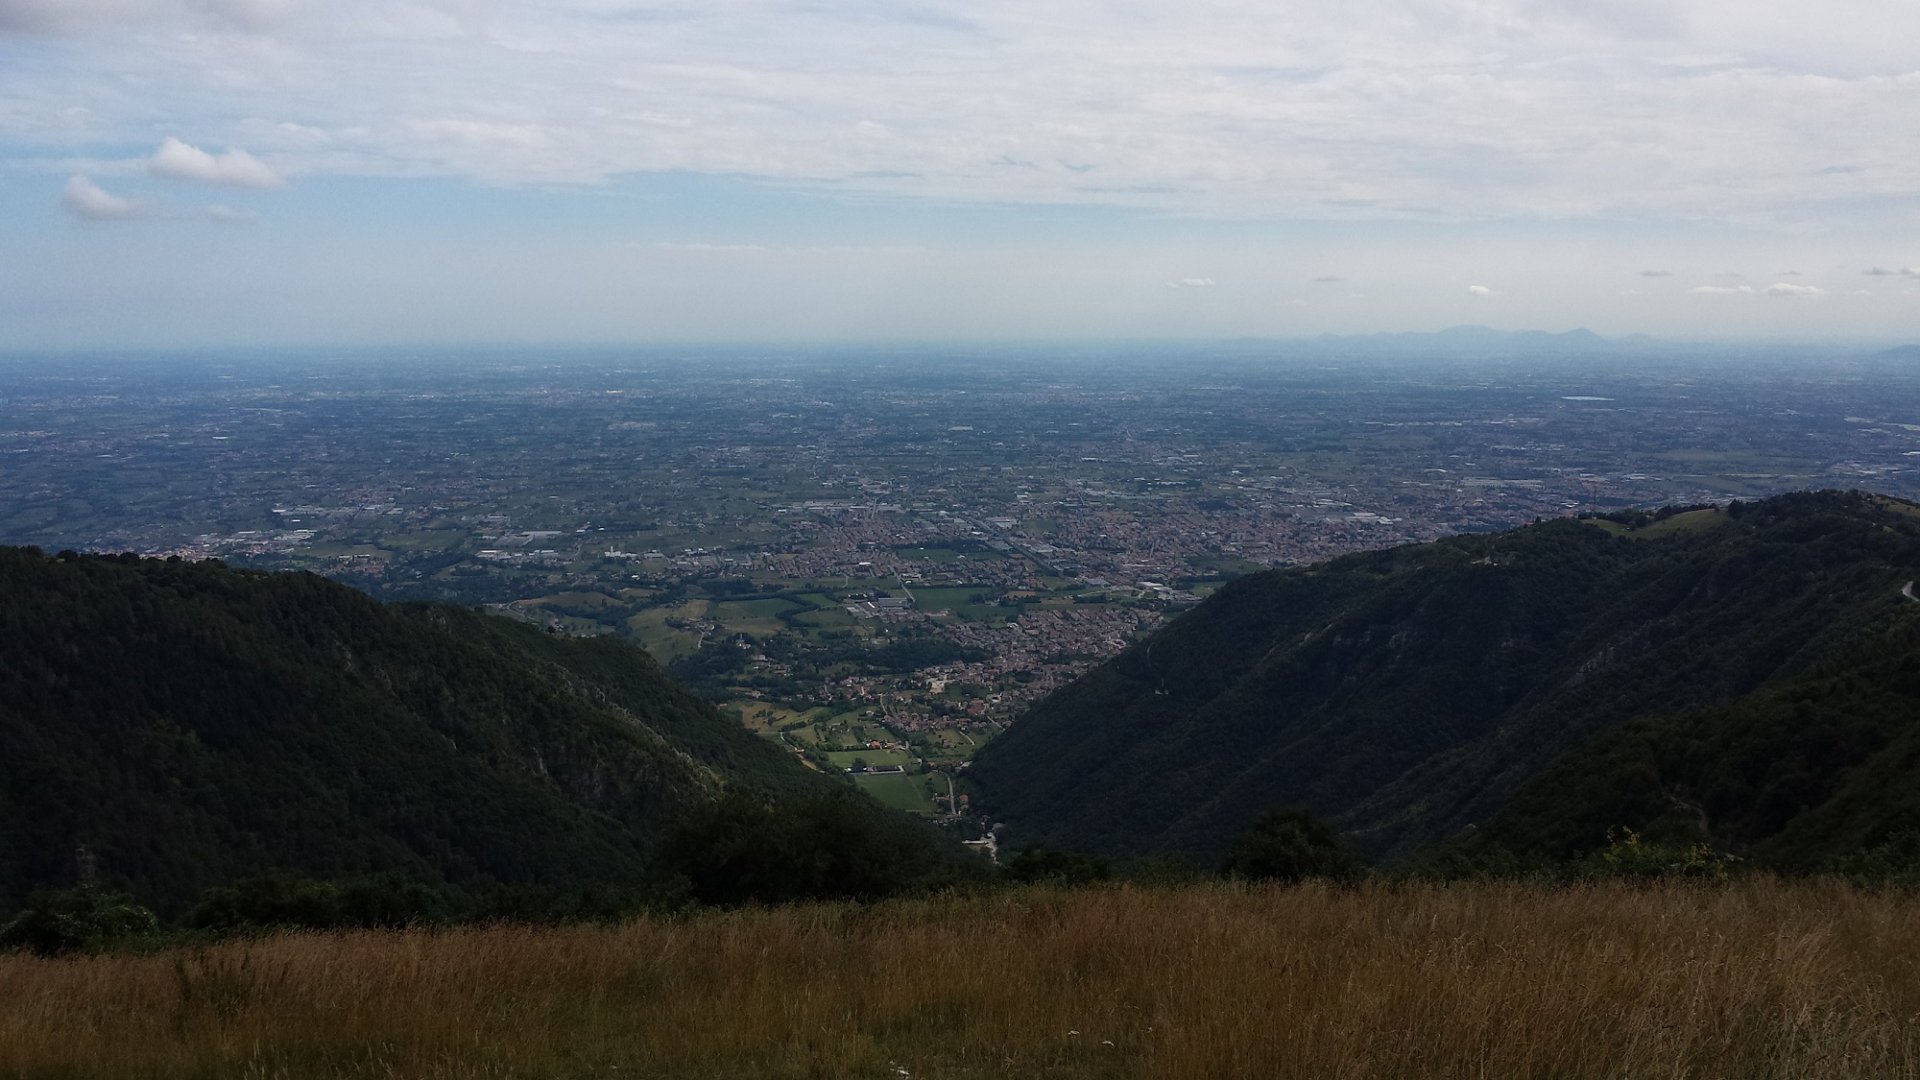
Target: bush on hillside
285,901
84,918
1629,855
1290,845
839,845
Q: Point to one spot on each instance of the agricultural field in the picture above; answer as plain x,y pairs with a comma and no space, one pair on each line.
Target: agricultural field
669,632
759,618
1690,521
974,603
909,791
821,734
956,742
768,718
872,759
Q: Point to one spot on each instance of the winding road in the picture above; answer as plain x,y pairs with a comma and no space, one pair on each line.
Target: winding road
1907,591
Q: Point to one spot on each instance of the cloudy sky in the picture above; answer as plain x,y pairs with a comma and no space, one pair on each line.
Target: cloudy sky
330,171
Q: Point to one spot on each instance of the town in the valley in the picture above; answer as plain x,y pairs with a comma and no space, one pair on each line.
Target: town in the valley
879,560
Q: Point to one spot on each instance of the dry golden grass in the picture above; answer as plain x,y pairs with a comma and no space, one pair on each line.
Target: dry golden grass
1759,980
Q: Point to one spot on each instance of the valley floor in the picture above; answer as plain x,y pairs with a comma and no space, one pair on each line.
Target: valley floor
1759,979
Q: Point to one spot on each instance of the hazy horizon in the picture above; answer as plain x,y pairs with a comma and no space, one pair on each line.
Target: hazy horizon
1386,345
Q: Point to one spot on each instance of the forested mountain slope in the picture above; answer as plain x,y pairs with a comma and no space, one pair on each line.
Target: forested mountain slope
1816,771
186,724
1411,693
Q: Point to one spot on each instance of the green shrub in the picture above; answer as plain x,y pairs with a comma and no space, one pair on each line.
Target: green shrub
284,901
837,845
1033,866
1290,845
81,919
1628,855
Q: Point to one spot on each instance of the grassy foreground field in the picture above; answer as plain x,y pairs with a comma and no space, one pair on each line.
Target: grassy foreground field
1760,979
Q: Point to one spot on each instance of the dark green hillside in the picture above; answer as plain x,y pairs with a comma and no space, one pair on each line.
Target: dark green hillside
189,724
1410,693
1818,771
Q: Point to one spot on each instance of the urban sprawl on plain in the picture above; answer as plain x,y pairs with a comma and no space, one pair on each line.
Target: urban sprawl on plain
879,559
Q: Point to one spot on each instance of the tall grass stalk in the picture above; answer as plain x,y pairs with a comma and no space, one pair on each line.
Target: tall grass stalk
1762,979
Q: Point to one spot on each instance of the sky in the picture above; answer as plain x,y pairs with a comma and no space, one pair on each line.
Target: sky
262,172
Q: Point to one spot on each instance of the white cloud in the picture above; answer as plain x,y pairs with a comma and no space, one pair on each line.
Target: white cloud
1479,290
704,248
1722,290
235,168
1782,288
79,16
229,215
53,16
84,199
700,247
1191,283
1594,145
1397,109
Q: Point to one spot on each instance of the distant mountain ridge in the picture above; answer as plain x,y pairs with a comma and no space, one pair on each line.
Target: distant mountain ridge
1541,685
1470,341
178,725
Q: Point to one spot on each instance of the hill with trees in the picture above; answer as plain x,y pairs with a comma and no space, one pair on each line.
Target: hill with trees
168,727
1744,676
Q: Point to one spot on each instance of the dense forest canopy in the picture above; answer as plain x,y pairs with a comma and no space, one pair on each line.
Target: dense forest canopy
1746,676
168,726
